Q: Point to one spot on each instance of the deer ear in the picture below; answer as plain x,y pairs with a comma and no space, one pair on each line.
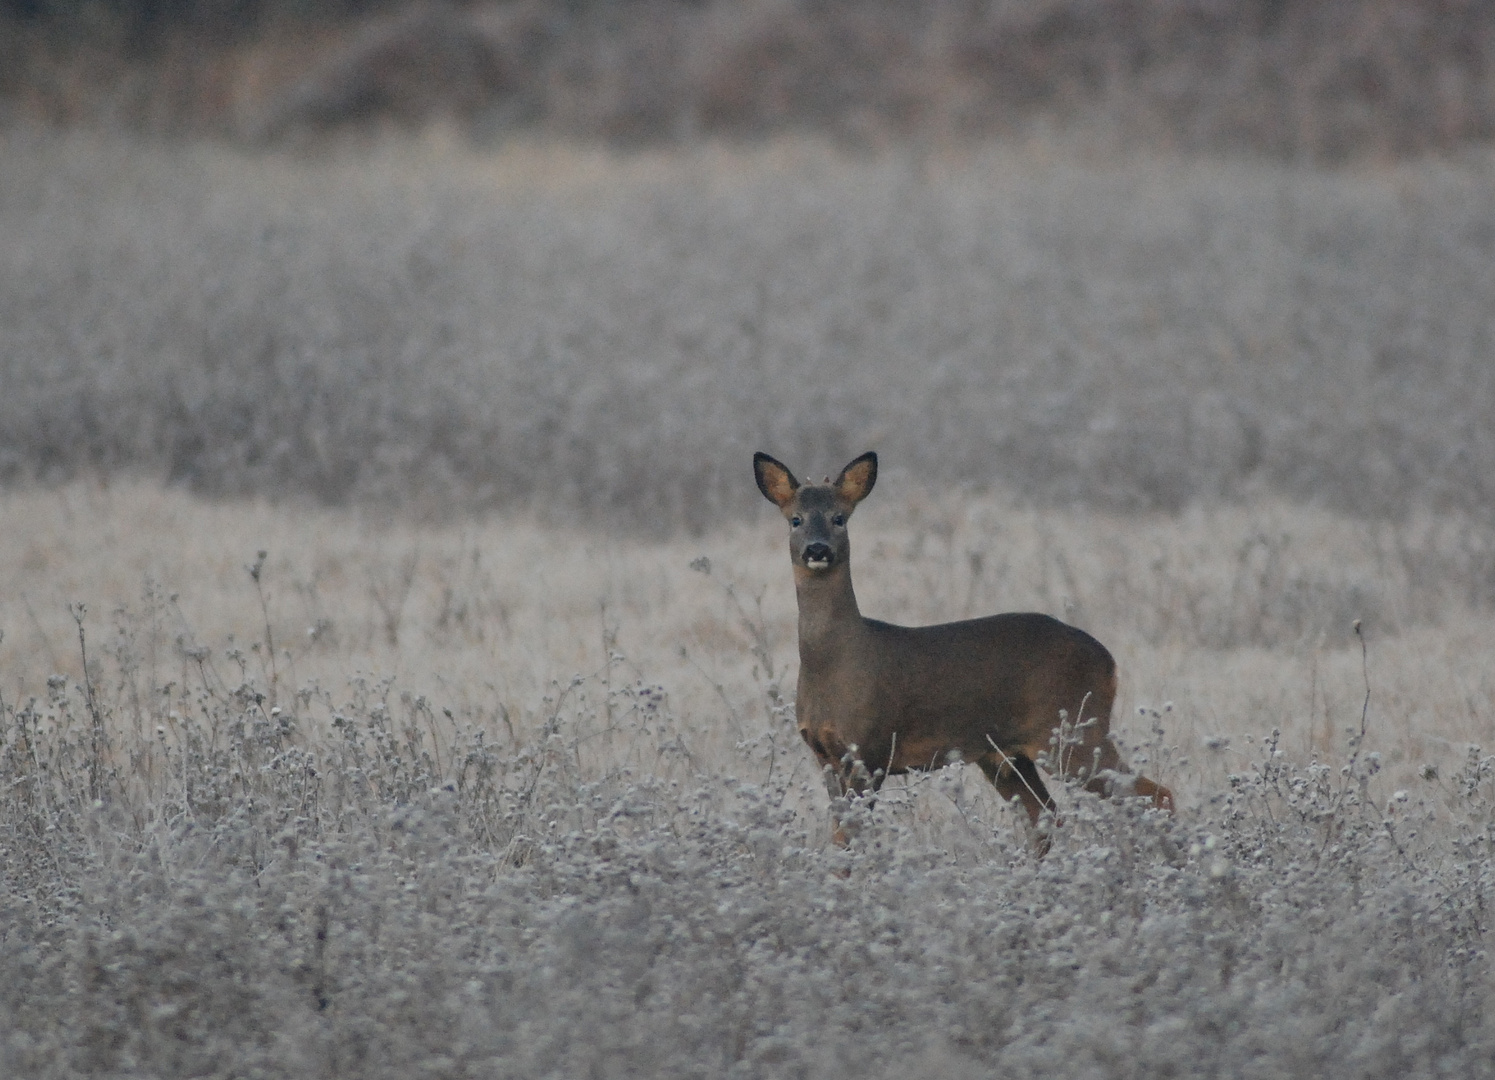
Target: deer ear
856,480
775,481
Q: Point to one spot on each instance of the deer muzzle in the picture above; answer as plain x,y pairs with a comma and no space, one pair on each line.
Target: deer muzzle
818,556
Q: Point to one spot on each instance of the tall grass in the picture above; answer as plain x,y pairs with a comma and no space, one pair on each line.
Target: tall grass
234,878
497,797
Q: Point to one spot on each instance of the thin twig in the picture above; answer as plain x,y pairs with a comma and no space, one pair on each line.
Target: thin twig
98,737
1365,674
256,569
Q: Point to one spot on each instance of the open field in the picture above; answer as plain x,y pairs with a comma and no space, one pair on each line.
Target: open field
523,799
605,339
486,767
1242,618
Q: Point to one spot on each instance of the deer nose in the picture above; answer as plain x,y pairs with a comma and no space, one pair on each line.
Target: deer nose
817,555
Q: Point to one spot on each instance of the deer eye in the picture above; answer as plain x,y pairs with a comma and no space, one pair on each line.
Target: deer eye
796,521
838,520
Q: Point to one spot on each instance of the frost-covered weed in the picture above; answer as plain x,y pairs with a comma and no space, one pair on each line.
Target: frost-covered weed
362,885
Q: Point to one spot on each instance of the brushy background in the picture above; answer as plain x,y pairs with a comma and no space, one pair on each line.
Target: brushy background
1294,79
396,659
609,341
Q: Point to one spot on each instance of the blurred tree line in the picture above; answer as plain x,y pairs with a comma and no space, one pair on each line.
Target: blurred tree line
1322,79
143,25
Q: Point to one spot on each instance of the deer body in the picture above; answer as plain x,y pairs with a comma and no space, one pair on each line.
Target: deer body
894,698
907,697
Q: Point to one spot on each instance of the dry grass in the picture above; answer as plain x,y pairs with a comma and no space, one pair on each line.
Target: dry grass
513,798
486,767
1239,617
419,324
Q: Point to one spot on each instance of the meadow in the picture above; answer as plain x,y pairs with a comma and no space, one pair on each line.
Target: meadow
428,710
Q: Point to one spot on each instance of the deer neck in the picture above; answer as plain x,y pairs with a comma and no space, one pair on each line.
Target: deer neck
829,620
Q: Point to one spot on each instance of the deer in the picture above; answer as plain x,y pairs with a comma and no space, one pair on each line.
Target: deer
999,691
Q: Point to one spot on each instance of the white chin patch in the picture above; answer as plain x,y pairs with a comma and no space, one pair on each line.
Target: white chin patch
817,564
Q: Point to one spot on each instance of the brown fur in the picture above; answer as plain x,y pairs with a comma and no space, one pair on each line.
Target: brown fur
895,698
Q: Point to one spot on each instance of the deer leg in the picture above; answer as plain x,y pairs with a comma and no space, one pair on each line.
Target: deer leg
844,775
1161,797
1100,764
1018,776
1015,776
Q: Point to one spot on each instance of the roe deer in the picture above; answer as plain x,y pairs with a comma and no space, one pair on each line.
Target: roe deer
891,698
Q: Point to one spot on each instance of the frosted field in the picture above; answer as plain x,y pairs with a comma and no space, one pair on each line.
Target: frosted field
606,339
477,775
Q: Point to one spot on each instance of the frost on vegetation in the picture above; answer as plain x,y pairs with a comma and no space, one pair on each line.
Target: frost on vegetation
396,331
222,881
